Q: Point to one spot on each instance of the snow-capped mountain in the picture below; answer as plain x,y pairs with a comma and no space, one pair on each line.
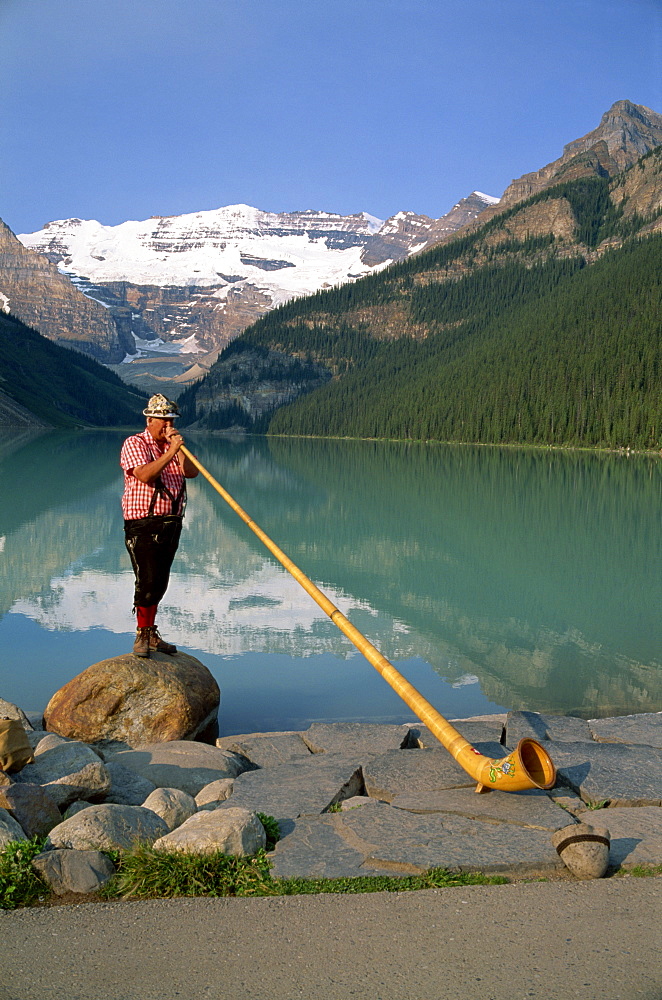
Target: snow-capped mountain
191,283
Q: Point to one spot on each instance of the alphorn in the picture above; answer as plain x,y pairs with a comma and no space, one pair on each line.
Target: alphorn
528,766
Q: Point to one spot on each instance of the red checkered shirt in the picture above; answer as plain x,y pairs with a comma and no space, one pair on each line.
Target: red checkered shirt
140,449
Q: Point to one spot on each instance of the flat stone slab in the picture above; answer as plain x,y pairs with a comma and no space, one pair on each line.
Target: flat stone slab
418,842
475,731
182,764
400,771
562,728
379,839
644,729
532,808
636,834
267,751
298,787
354,737
316,848
610,772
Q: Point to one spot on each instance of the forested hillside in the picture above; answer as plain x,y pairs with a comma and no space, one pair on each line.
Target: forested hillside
59,387
543,327
573,361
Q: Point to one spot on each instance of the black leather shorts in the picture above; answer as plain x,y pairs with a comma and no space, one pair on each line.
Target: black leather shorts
152,543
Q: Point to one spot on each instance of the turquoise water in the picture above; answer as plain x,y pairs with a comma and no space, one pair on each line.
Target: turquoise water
491,578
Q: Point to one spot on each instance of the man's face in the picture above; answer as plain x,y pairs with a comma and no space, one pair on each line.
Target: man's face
158,428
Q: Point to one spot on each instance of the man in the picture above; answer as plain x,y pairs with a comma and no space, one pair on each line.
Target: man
155,474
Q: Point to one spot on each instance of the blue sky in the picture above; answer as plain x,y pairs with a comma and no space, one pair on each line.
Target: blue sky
122,109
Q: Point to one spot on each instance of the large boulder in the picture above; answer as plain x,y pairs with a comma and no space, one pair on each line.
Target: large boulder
69,770
8,710
108,827
9,829
73,871
127,787
135,700
172,805
232,831
32,807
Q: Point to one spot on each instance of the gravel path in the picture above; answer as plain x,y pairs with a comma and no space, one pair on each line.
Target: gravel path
548,941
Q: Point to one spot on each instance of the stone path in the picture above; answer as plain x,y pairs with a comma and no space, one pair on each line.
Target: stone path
357,799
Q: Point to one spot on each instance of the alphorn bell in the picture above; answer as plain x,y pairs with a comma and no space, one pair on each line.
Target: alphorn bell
528,766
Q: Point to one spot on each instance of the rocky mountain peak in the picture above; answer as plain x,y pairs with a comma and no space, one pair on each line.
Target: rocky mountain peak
626,132
629,131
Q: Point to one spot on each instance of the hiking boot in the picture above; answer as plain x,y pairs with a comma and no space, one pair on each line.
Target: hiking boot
158,644
142,642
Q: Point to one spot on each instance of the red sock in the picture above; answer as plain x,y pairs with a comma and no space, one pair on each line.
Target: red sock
146,616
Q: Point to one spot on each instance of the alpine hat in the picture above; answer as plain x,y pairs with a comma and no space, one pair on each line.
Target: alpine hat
161,407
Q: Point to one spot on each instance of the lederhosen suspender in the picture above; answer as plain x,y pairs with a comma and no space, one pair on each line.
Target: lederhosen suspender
161,490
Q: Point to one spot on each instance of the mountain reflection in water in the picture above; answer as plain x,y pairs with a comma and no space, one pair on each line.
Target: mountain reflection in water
500,577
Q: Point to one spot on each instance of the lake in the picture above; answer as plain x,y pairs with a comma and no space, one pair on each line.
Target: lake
493,579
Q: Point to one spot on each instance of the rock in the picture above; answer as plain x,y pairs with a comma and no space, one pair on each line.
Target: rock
644,729
410,842
567,800
10,711
301,786
127,788
36,720
69,771
232,831
108,827
352,738
73,871
214,793
9,829
378,839
535,726
136,700
622,775
180,764
355,802
584,849
532,808
32,807
172,805
76,807
41,740
267,751
316,848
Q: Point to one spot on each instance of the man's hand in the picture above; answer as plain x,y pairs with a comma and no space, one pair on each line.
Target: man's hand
174,439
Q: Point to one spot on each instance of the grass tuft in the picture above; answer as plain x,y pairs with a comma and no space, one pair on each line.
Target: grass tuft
433,879
146,873
645,871
19,883
271,829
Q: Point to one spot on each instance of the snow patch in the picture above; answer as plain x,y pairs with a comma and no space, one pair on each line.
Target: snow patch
4,307
487,197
